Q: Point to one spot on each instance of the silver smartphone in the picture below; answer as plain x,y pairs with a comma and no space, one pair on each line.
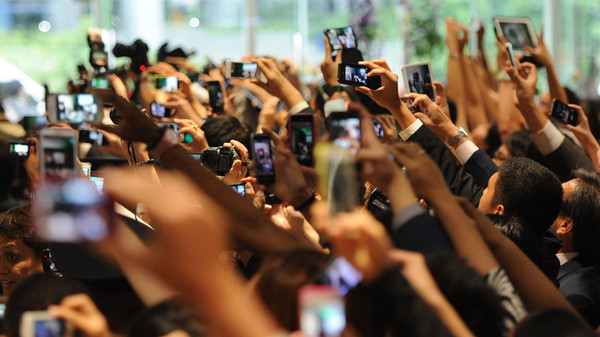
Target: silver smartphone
42,324
74,108
418,78
58,154
247,70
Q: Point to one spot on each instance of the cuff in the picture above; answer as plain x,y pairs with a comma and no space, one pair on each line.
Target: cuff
466,150
548,139
298,107
338,104
410,130
405,215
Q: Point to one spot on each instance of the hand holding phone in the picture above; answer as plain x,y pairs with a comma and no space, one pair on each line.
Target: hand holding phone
564,113
340,38
356,75
74,108
418,78
167,83
42,324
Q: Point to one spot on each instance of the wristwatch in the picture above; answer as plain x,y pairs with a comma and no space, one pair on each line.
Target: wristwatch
460,135
167,140
331,89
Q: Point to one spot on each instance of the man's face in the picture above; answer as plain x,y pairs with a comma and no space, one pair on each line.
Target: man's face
568,190
17,261
486,205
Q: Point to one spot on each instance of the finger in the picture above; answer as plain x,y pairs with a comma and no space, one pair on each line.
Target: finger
421,116
241,148
381,63
274,137
441,91
327,48
368,137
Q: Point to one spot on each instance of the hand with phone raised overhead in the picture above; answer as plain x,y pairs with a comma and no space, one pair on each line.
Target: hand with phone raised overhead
329,66
540,52
82,313
199,142
584,134
388,126
277,84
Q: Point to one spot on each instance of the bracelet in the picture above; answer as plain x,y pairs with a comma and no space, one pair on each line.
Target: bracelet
454,55
148,162
307,203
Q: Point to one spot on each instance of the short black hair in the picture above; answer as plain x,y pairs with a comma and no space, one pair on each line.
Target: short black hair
166,317
553,322
17,224
530,192
583,207
222,129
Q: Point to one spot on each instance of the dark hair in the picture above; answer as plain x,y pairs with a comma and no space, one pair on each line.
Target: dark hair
37,292
493,140
583,207
479,305
520,144
167,317
281,276
222,129
389,306
553,322
529,191
17,224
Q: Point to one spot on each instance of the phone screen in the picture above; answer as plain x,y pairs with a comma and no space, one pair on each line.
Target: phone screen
340,38
77,108
99,83
564,113
215,96
418,79
239,189
19,148
244,70
49,328
301,127
159,110
263,157
341,275
99,182
344,130
58,156
353,74
322,312
377,128
168,83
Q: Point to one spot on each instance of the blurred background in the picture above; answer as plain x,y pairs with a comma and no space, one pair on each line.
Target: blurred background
47,39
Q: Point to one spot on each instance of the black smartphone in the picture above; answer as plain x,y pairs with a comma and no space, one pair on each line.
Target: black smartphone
239,189
301,127
263,158
564,113
215,96
19,148
344,129
340,38
356,75
160,111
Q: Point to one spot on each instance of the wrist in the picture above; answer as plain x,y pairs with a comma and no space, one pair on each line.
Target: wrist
461,134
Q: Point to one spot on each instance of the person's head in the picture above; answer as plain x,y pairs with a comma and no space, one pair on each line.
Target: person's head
222,129
37,292
281,276
519,144
578,221
553,322
524,189
168,317
521,235
20,247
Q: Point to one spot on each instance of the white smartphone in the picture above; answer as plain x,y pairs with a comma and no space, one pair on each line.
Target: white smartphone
42,324
58,154
511,54
321,311
74,108
518,31
418,78
247,70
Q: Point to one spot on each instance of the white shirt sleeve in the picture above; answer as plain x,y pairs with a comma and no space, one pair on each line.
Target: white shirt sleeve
466,150
298,107
333,105
548,139
410,130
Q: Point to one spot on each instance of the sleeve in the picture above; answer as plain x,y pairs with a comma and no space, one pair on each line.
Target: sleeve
481,167
298,108
414,229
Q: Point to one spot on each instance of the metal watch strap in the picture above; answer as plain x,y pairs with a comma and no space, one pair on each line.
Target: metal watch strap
460,135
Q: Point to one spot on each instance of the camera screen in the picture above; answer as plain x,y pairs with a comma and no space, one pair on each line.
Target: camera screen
345,132
340,38
302,140
79,108
20,150
49,328
264,160
239,189
58,156
517,33
170,83
99,83
158,110
378,129
322,315
72,211
244,70
419,80
356,74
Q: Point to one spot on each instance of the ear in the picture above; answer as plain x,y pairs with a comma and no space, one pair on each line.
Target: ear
499,209
565,225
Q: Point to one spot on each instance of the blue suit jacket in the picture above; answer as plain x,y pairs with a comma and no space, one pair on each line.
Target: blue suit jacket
579,282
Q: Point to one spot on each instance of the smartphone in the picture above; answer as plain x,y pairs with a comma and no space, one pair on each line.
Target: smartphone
33,123
518,31
239,189
92,137
301,127
160,111
99,83
87,169
74,108
115,116
564,113
58,154
215,96
48,262
344,129
166,83
511,54
263,158
338,180
248,70
321,311
73,211
418,78
173,126
377,128
42,324
379,205
340,275
340,38
356,75
19,148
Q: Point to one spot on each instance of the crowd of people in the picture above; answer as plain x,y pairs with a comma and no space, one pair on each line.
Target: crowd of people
476,213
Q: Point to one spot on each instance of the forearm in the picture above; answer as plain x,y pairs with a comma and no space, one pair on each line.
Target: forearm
535,119
448,315
456,90
556,90
473,99
402,115
591,147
